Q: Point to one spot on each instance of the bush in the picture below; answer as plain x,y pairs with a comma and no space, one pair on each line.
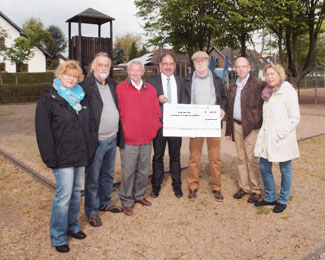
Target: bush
8,78
27,77
22,92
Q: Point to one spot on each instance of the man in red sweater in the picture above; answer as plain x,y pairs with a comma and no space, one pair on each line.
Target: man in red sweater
140,117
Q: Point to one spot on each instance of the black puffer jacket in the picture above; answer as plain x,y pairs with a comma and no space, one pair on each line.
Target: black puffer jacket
96,103
65,138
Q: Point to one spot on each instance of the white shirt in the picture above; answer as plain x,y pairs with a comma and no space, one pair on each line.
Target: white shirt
173,86
138,87
237,103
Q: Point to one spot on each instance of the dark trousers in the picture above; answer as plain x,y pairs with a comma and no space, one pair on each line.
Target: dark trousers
174,146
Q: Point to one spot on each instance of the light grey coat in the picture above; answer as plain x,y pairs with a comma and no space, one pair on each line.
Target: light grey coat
277,141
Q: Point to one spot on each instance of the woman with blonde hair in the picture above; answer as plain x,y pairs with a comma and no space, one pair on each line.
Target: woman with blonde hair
65,137
276,141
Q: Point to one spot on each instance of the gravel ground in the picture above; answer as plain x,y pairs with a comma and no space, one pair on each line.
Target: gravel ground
171,228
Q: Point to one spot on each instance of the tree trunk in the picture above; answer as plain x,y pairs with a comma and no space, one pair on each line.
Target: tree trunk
243,45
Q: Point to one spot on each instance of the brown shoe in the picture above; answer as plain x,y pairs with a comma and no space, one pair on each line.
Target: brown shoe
192,194
144,202
128,211
239,194
218,195
254,197
95,220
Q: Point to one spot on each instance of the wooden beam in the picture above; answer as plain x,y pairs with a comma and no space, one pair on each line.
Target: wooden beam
99,38
69,41
79,27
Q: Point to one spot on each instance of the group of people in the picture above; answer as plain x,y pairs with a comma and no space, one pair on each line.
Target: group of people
80,122
262,120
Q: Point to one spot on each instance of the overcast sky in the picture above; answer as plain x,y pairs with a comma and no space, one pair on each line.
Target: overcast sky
56,12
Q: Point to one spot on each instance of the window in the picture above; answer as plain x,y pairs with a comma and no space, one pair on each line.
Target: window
2,43
2,66
22,68
217,61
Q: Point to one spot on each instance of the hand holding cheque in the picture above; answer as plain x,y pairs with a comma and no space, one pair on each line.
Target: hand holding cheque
191,120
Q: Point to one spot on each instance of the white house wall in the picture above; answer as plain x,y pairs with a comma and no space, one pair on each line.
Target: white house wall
36,64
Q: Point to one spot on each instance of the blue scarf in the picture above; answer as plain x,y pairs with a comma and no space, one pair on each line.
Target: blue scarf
72,97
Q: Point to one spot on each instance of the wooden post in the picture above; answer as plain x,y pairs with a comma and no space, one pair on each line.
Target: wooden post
69,40
79,47
99,38
111,39
111,50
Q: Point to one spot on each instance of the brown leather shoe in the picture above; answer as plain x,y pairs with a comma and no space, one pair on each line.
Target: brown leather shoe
218,195
95,220
192,194
128,211
254,197
239,194
144,202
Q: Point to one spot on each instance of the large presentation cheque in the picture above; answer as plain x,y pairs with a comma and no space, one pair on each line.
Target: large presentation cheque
191,120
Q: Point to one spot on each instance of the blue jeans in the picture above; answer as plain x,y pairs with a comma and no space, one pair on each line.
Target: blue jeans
66,204
269,185
99,177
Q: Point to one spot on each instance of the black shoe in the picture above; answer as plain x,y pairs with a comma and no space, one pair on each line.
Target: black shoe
239,194
155,192
264,203
178,193
192,194
78,235
63,248
279,207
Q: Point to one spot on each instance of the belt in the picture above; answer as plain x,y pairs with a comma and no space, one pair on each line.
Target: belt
238,122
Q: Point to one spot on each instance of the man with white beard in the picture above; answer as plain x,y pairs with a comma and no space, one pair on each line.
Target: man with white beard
101,95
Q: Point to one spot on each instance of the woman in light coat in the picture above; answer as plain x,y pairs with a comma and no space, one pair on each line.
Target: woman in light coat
276,141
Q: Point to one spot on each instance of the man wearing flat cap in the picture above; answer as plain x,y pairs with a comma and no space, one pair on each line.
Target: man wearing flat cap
204,87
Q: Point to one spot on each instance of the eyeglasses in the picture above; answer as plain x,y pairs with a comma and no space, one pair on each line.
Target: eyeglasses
168,64
70,76
242,67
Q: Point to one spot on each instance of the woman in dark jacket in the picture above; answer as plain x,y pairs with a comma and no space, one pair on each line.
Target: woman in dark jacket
66,140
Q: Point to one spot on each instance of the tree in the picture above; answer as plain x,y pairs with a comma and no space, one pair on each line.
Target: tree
290,20
125,41
3,35
34,29
187,25
143,51
19,52
55,45
133,51
118,56
321,52
22,48
240,22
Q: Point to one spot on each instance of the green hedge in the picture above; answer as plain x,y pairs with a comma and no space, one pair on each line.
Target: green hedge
27,77
12,93
21,92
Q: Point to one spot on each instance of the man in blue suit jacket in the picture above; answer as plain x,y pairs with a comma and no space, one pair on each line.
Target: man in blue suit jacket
168,88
